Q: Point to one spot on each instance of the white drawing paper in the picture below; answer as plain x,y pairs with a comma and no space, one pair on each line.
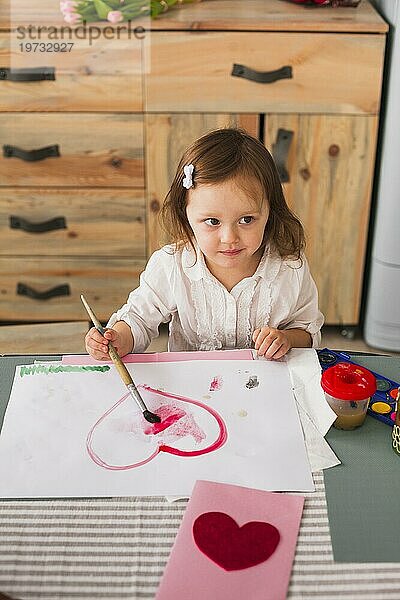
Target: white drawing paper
73,430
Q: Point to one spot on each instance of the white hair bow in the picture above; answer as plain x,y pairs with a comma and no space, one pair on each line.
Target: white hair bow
188,179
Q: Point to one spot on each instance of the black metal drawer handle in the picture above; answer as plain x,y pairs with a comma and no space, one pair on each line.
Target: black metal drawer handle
31,155
280,151
28,74
44,226
261,76
58,290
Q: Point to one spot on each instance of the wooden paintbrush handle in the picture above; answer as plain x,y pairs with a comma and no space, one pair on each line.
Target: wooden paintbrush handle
121,368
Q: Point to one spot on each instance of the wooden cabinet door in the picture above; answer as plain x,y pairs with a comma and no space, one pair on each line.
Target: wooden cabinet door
330,165
167,136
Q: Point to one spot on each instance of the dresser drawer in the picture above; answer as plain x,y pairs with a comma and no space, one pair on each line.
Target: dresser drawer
93,149
34,289
72,222
104,75
323,73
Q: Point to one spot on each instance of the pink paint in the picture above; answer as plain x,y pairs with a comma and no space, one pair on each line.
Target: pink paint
168,415
96,458
176,422
179,423
216,383
221,439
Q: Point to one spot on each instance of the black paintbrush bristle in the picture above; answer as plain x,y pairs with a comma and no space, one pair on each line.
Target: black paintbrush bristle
151,417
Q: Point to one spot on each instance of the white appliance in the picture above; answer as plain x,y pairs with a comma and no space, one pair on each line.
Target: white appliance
382,317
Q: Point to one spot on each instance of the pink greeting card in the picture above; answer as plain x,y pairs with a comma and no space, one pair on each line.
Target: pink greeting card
233,543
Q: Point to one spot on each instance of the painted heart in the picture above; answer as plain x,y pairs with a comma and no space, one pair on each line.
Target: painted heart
231,547
122,439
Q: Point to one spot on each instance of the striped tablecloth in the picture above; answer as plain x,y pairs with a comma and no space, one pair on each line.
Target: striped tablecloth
117,548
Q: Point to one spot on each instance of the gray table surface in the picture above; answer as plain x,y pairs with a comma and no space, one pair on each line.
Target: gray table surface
117,548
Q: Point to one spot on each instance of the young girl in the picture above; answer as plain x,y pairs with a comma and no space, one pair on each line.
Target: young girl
235,275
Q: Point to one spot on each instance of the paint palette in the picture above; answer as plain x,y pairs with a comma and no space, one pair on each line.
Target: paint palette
382,405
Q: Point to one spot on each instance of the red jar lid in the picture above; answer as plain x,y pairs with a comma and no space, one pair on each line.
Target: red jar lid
348,382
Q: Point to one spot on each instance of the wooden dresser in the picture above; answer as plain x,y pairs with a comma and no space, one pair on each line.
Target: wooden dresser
89,150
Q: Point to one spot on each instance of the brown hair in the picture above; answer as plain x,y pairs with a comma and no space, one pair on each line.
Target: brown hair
225,154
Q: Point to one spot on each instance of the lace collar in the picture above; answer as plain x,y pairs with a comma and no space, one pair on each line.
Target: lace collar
194,264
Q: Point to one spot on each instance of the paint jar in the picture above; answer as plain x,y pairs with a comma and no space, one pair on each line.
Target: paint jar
396,427
348,389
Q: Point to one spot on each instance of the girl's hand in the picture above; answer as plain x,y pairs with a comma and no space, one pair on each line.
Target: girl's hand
271,343
97,344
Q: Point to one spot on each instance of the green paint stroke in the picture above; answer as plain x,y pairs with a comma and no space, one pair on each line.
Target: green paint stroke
46,369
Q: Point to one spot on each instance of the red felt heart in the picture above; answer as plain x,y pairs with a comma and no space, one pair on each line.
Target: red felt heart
221,539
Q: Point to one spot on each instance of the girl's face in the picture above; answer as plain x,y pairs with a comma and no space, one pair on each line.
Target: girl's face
228,226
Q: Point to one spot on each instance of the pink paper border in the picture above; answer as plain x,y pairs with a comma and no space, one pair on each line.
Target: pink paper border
86,359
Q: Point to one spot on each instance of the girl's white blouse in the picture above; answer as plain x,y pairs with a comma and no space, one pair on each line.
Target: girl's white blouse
177,288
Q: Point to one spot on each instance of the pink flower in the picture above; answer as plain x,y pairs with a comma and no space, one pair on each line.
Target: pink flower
68,9
68,6
71,17
115,16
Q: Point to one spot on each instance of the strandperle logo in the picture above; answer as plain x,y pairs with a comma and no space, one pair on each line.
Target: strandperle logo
79,32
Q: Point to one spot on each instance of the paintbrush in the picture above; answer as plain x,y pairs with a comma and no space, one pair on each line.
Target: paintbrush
121,368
